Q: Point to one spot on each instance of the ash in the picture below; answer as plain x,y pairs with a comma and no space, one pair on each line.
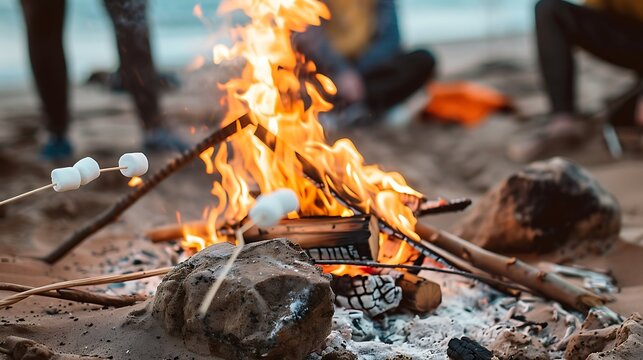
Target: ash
468,308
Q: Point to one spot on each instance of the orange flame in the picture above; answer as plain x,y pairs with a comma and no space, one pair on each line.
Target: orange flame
270,90
134,181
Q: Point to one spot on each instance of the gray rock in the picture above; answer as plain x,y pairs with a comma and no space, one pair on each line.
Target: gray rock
540,208
274,303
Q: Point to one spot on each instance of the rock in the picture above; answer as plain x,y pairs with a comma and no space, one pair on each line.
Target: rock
586,342
274,303
512,345
540,208
628,344
342,354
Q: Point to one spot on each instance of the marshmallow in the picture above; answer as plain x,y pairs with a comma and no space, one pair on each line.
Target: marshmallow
88,169
135,164
269,209
65,179
288,200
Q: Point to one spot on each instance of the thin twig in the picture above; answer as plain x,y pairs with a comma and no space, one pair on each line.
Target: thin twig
150,183
485,279
79,295
96,280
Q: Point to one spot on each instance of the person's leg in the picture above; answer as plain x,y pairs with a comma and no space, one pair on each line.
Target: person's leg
561,26
397,79
137,70
44,21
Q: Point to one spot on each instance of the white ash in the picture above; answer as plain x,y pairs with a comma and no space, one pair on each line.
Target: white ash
468,309
373,294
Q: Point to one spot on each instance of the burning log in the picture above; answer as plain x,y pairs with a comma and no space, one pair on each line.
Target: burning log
150,183
373,294
323,238
549,285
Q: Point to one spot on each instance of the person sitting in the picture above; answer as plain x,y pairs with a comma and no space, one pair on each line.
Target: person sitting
45,22
359,48
611,30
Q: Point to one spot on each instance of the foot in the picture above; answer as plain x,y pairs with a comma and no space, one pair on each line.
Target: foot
562,133
162,139
57,148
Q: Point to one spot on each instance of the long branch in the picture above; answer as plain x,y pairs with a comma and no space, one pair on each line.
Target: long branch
79,295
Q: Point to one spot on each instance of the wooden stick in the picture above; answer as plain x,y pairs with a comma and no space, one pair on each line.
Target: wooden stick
113,168
212,292
150,183
549,285
79,296
17,197
419,294
96,280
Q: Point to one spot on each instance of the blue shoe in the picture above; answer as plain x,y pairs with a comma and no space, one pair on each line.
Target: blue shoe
158,140
57,148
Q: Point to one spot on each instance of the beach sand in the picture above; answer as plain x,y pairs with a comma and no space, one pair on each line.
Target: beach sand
438,159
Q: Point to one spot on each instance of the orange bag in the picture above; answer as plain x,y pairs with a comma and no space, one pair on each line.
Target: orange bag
464,102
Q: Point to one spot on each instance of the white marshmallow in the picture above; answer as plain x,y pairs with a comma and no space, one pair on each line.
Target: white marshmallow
270,208
88,169
135,163
65,179
288,200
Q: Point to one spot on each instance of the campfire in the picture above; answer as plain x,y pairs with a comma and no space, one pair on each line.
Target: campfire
355,221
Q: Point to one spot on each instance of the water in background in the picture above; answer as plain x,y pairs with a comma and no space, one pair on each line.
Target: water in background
178,36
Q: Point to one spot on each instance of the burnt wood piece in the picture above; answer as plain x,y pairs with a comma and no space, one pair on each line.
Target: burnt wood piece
419,294
467,349
549,285
150,182
441,206
372,294
323,237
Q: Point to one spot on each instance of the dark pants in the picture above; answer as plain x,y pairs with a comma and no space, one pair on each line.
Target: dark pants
45,22
562,26
395,80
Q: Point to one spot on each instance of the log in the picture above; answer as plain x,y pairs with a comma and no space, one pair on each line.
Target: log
111,214
79,296
546,284
373,294
323,237
419,294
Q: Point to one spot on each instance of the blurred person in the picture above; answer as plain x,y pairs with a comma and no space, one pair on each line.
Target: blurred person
359,48
611,30
44,21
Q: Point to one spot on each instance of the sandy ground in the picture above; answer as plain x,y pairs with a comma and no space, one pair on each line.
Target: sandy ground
438,159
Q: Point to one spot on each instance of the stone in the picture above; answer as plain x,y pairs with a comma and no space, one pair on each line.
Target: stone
628,344
512,345
274,303
540,208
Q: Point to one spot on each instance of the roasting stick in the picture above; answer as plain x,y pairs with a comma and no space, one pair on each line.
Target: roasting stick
79,295
85,171
267,211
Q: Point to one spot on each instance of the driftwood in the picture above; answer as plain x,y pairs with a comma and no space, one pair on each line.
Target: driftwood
79,296
150,183
549,285
95,280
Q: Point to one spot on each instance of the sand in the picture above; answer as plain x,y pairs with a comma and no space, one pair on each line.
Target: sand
438,159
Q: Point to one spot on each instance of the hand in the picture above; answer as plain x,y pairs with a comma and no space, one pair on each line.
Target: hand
350,86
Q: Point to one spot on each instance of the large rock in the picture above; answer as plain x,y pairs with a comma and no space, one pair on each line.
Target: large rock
628,344
274,303
541,207
514,345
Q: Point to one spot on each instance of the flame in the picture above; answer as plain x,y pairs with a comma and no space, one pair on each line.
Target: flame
135,181
272,88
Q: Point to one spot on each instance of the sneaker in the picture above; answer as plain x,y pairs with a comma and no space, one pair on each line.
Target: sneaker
161,139
57,148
